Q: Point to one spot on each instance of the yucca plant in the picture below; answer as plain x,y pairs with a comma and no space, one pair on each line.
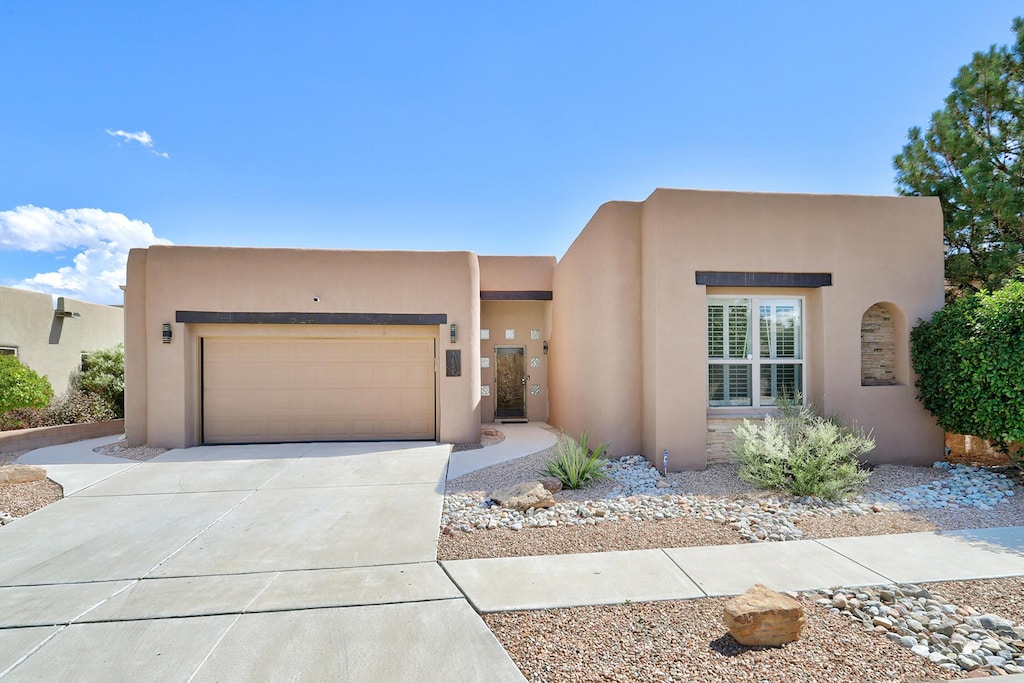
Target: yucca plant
573,464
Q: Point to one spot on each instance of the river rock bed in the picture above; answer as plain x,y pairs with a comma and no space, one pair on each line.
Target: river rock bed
641,493
953,637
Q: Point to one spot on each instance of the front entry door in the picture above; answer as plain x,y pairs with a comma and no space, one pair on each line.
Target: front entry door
510,376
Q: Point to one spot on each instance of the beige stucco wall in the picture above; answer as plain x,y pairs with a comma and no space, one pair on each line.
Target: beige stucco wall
878,249
516,273
162,383
595,347
54,346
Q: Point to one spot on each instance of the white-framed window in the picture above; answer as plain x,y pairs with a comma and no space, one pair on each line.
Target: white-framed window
8,350
745,373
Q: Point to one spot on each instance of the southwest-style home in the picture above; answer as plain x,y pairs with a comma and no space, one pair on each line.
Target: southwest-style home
51,337
666,323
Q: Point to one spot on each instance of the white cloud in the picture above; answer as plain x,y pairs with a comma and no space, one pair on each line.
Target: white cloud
141,137
103,237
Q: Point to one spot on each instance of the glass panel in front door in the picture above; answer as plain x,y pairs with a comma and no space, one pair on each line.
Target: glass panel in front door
510,377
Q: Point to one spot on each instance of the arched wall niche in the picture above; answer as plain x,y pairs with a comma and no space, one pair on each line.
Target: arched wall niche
884,346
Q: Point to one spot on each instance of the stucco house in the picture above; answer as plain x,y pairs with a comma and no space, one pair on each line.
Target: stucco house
51,337
665,323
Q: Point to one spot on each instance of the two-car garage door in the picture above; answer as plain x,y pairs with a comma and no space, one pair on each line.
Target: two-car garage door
259,389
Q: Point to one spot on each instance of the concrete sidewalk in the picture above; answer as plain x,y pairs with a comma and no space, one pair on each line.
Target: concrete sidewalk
240,563
520,440
517,583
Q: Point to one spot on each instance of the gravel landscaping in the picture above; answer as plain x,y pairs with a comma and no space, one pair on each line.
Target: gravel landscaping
686,640
637,508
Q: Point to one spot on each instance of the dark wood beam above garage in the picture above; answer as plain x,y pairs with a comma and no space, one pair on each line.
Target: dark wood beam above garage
271,318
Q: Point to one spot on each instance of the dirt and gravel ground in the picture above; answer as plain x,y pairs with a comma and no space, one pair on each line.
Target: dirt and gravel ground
686,641
719,481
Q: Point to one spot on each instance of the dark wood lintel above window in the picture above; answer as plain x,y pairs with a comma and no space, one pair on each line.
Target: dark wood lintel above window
713,278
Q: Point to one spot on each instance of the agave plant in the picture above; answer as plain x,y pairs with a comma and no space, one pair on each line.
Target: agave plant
574,464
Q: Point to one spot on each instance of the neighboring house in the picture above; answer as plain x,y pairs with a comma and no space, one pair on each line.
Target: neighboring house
666,323
51,339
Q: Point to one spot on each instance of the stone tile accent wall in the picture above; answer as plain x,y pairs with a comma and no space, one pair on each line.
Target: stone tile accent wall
877,347
719,440
972,450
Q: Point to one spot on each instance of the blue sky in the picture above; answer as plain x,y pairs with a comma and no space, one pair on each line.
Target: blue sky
496,128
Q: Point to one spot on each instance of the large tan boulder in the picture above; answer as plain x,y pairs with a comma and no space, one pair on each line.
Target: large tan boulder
20,474
762,616
522,497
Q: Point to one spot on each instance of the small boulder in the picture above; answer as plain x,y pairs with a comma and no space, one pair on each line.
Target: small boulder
762,616
553,484
522,497
21,474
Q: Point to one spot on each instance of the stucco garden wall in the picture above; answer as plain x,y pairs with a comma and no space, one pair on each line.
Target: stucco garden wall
595,346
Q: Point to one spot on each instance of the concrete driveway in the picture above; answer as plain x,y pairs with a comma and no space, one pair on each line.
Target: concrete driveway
292,562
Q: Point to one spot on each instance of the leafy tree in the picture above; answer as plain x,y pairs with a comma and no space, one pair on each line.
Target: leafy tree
968,358
103,374
970,157
21,386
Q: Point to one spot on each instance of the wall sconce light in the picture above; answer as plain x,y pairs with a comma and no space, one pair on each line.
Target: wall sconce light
454,333
165,335
545,348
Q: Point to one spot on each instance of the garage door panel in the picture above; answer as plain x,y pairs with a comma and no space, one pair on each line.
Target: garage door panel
263,389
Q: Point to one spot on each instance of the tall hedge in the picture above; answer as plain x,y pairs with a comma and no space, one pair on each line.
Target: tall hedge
970,363
21,386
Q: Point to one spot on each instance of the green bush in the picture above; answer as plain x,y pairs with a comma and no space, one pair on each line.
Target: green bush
103,375
802,453
969,359
21,386
574,465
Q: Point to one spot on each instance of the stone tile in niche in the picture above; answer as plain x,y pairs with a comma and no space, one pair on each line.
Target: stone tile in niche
535,390
485,361
510,335
485,389
534,361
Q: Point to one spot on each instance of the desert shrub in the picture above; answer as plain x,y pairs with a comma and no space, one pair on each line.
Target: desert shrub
76,407
103,375
802,453
73,407
574,464
969,359
21,386
24,418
